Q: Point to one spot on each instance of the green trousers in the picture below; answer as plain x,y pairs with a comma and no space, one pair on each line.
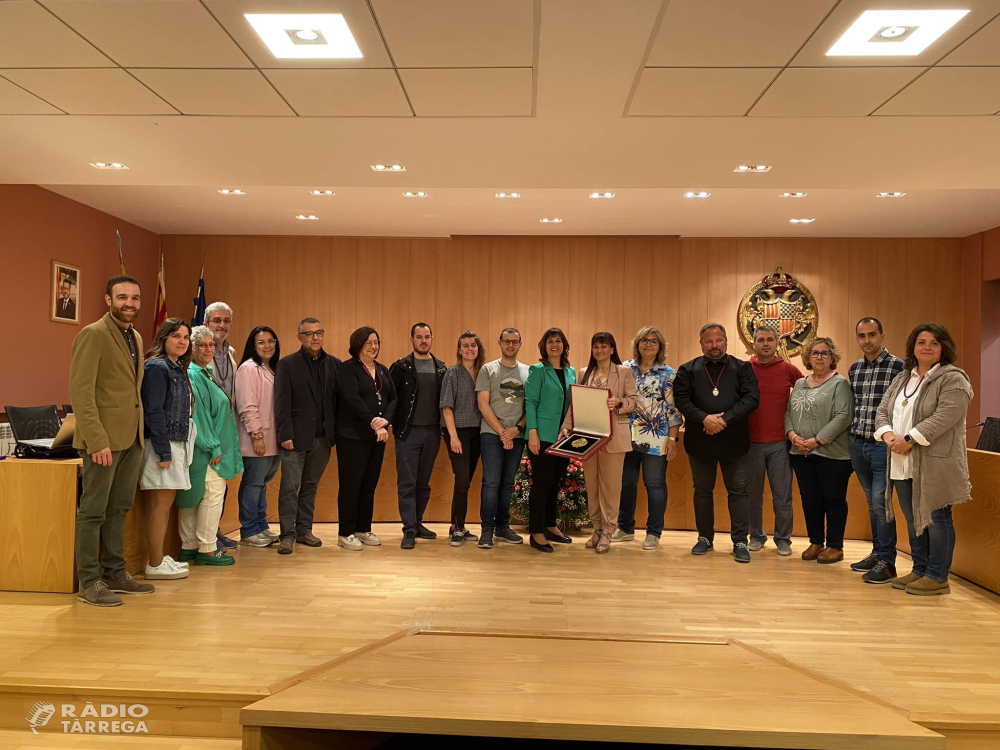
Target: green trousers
108,494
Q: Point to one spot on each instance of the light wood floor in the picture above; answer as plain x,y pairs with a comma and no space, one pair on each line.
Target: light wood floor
12,740
267,618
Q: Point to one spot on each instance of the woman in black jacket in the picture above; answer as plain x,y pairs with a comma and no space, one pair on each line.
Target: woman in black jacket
366,402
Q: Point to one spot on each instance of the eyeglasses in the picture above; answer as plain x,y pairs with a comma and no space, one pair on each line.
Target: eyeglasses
219,321
373,344
506,342
822,355
649,342
205,347
265,342
313,334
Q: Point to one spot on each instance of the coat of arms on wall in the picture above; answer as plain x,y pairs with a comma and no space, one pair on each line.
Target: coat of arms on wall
781,302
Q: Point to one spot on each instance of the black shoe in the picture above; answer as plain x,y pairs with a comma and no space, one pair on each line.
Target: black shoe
883,572
703,547
540,547
558,538
486,539
507,535
409,540
863,566
470,537
424,533
741,553
457,538
224,542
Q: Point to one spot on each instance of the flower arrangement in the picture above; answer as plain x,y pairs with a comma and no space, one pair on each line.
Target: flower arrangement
572,502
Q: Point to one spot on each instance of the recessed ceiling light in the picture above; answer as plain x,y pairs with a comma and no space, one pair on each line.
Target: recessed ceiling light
107,165
303,217
418,194
322,192
802,221
507,195
388,168
551,221
794,195
313,36
752,168
894,33
698,194
602,195
228,191
890,195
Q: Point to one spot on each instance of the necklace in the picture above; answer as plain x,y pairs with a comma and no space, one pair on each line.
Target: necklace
715,383
908,396
599,381
376,378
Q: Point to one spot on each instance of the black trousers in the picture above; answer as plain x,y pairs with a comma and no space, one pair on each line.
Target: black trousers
359,464
734,475
543,500
464,466
823,487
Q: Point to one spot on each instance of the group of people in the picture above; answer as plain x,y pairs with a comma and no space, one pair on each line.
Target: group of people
186,416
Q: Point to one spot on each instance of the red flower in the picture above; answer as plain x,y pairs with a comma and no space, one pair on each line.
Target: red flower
563,507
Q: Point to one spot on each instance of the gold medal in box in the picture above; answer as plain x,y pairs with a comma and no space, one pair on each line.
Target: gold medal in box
592,423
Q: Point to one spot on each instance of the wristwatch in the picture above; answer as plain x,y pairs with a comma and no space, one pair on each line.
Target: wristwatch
671,439
908,439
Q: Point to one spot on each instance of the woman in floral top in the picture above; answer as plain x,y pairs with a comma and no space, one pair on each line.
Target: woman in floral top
654,423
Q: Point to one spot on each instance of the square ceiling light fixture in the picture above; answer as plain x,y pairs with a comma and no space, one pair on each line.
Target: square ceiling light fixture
894,33
313,36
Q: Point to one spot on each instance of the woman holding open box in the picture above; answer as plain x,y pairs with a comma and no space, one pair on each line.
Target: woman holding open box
603,471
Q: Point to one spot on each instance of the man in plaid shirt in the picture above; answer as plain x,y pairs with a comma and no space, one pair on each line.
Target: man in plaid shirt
870,377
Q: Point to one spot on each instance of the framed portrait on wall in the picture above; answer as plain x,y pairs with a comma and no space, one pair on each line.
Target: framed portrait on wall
65,281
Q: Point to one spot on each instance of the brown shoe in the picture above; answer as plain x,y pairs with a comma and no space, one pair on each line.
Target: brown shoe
812,551
99,596
309,540
903,581
830,555
128,585
285,545
928,587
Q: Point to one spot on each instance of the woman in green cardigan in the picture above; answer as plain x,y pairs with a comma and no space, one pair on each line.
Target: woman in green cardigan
546,401
216,458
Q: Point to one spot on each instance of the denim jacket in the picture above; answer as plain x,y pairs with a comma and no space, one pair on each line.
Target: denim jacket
166,400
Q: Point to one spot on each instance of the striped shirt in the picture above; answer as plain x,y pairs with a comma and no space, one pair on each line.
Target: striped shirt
869,381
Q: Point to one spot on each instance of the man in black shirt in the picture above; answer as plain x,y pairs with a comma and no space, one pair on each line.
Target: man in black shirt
304,413
716,394
417,430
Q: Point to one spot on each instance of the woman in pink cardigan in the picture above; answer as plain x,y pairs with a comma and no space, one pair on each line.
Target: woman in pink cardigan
258,437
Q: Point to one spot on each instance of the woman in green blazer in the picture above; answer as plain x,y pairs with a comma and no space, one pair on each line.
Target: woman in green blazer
546,401
216,458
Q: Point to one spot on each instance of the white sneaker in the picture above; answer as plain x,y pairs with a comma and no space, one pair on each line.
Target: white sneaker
270,534
174,564
350,542
622,536
164,572
257,540
650,542
366,537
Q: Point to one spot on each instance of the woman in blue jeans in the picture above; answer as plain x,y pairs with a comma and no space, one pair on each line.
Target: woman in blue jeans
258,437
654,426
922,421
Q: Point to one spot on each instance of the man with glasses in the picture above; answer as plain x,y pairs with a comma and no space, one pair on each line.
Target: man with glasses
500,392
219,320
417,429
305,406
870,376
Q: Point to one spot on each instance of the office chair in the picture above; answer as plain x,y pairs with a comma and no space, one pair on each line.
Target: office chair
33,422
67,409
989,438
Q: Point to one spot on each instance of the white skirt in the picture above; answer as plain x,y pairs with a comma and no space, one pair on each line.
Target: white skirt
174,477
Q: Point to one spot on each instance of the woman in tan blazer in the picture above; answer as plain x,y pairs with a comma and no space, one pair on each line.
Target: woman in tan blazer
603,472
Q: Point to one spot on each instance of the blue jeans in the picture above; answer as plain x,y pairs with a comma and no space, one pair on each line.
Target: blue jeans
654,476
931,551
869,460
257,472
499,470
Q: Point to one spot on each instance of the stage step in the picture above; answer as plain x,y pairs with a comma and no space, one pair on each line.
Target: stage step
16,740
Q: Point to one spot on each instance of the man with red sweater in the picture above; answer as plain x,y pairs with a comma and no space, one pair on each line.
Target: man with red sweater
768,444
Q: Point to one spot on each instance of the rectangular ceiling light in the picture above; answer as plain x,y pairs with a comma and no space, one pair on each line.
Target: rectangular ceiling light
894,33
312,36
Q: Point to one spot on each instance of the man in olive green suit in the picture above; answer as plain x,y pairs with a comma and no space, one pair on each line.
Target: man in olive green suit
105,377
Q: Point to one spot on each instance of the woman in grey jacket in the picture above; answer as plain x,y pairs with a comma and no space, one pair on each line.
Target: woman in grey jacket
819,412
922,420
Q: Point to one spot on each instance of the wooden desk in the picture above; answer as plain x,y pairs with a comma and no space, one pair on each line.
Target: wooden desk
38,508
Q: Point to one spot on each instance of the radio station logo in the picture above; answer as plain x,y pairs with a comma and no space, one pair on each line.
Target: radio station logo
102,718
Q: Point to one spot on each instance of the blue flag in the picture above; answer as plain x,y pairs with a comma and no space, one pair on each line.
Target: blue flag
198,319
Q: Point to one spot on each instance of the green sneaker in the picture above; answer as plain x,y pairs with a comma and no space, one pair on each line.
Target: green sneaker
214,558
187,555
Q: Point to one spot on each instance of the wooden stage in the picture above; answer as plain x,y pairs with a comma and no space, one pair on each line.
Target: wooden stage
631,624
